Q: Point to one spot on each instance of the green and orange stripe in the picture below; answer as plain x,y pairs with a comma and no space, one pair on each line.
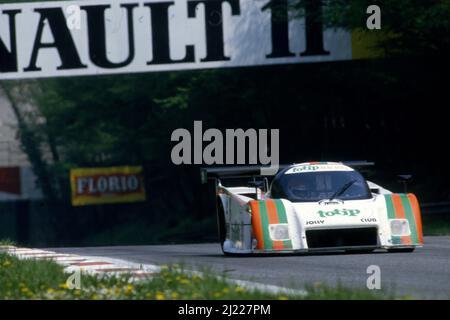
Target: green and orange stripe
264,213
405,206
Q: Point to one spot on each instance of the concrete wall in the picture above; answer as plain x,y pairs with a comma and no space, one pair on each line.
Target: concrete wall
10,152
11,155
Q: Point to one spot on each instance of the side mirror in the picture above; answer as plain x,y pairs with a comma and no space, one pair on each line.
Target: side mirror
404,179
375,190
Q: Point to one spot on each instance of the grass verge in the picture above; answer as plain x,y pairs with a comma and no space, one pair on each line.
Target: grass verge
7,242
41,279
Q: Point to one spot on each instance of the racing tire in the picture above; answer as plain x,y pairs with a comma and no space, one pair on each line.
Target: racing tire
401,250
221,225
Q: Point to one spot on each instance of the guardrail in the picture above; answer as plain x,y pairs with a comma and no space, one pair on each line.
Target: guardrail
436,208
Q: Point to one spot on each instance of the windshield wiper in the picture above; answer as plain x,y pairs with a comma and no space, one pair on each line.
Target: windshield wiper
342,189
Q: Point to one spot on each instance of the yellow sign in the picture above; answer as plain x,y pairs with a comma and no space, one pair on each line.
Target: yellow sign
107,185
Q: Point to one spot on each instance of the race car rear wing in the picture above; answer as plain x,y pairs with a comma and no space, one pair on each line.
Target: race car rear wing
255,170
231,172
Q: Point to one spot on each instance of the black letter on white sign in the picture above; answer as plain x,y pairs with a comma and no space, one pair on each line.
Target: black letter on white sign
280,29
63,40
214,26
314,29
97,35
160,35
8,59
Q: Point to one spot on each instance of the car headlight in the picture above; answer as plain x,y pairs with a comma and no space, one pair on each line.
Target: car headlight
279,231
400,227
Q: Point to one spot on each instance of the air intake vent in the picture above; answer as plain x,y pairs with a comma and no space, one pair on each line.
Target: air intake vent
332,238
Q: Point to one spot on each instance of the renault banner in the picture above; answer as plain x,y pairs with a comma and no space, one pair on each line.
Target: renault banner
70,38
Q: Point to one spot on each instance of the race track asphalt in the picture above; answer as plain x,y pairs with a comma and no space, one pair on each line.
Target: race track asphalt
424,273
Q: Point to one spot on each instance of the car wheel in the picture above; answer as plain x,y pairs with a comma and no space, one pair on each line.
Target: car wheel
221,226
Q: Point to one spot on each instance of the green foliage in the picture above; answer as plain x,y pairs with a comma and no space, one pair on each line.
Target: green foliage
39,279
107,119
6,242
22,279
319,291
128,119
411,27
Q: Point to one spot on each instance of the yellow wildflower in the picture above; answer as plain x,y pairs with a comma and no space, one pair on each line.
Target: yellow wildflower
239,289
63,286
128,289
160,295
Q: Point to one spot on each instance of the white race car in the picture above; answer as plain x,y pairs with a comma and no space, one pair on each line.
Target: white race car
312,206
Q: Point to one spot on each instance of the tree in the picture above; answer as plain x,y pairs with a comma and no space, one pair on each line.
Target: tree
33,139
411,28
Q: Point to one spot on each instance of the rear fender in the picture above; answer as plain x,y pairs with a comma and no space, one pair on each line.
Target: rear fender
222,199
236,221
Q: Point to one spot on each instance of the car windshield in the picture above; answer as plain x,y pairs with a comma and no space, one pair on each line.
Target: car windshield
316,186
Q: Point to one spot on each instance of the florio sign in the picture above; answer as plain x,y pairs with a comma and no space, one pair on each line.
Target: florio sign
107,185
69,38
